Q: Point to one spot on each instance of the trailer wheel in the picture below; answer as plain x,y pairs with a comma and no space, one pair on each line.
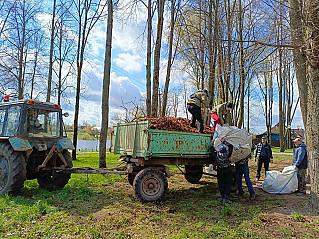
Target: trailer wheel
193,173
12,170
130,178
150,185
52,180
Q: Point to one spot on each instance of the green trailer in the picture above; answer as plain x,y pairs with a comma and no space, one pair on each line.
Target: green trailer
146,152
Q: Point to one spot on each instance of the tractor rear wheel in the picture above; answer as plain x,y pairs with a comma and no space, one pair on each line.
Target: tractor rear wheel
150,185
52,180
12,170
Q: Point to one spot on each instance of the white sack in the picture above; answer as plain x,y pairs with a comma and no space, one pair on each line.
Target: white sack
210,169
239,138
281,182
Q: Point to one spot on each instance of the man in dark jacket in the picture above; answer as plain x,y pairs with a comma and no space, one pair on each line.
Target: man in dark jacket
300,160
264,155
194,104
221,114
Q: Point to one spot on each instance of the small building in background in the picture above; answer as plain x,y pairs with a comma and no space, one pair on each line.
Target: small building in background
295,133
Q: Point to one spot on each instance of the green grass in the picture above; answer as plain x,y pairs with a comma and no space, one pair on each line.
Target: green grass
97,206
277,150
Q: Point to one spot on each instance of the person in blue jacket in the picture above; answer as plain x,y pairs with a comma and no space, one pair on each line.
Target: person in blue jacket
300,160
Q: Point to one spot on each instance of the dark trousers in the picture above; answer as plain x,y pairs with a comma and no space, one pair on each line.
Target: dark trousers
196,115
262,160
301,175
224,179
243,169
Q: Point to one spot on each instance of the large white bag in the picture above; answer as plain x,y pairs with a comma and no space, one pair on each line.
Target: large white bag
281,182
239,138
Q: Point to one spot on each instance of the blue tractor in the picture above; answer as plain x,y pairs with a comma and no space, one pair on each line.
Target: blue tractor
33,145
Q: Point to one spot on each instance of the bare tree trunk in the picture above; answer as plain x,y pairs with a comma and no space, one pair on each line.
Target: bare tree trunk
241,66
229,44
311,81
170,56
157,57
297,34
21,61
106,87
248,108
60,65
34,72
212,51
51,52
80,58
312,127
85,27
149,55
280,84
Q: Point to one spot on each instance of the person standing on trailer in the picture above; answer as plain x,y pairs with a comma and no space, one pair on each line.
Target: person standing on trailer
221,114
194,105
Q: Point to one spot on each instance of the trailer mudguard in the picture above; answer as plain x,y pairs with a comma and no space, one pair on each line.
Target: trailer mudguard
65,144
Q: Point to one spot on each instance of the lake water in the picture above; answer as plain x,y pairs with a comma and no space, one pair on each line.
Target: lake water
91,144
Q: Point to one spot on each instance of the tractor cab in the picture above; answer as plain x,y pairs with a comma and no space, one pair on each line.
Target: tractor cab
32,135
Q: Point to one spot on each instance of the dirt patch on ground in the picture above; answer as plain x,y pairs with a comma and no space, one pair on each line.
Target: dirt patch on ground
271,215
278,225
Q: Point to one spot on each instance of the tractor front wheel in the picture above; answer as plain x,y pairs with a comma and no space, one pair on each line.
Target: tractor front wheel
12,170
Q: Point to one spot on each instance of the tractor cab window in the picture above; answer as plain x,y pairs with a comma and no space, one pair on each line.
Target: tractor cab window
2,118
13,121
43,123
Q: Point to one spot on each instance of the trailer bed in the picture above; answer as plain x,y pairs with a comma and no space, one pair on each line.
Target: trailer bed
139,141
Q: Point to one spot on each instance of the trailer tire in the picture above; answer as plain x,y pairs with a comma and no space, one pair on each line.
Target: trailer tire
193,173
130,178
12,170
52,180
150,185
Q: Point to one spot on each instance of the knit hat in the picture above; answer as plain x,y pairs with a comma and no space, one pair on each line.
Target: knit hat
206,92
229,105
222,148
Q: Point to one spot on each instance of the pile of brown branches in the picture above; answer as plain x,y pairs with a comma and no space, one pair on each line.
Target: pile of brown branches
174,124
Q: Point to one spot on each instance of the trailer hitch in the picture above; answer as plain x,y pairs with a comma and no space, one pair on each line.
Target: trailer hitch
54,150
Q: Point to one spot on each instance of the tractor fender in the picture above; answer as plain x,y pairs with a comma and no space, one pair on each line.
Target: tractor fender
19,144
65,144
